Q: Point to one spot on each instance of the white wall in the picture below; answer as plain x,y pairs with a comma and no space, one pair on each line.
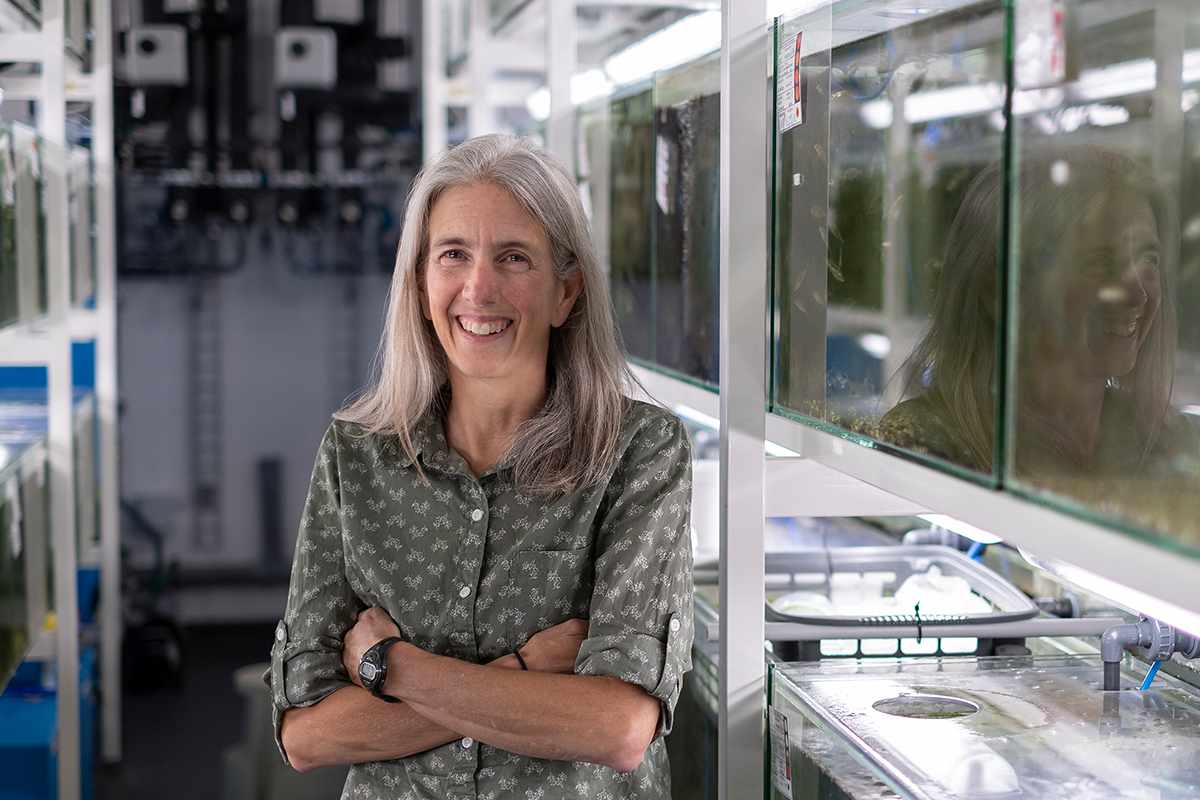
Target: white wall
292,348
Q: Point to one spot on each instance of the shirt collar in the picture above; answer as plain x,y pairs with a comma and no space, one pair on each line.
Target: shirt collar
429,444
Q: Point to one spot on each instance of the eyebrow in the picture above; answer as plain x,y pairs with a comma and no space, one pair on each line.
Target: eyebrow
458,241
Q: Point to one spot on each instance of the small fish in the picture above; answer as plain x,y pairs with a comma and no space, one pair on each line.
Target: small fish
851,174
833,269
817,296
800,306
818,212
820,151
824,235
800,280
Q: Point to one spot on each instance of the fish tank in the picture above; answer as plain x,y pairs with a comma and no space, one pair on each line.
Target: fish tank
1103,399
26,558
23,287
878,136
81,225
654,180
986,246
970,727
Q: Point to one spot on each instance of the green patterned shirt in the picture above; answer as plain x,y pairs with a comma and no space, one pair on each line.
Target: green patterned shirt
471,569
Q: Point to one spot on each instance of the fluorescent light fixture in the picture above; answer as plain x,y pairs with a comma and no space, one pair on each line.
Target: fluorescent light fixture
1193,410
677,43
957,101
1116,80
586,85
1031,101
961,528
1118,593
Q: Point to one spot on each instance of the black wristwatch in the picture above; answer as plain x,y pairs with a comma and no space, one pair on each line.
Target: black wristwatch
372,670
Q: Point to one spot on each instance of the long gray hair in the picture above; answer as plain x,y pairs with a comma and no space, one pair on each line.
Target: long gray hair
572,442
954,363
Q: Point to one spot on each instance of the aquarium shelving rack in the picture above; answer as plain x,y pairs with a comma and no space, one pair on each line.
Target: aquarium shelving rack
46,340
830,474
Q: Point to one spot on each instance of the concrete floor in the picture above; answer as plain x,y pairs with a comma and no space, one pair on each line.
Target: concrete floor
173,737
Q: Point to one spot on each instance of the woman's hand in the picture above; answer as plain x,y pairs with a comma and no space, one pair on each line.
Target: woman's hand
556,648
372,625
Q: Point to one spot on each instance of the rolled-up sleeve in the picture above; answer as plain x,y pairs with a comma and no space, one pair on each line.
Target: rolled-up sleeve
306,657
641,609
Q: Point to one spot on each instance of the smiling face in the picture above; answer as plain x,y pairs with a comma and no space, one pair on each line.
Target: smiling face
489,288
1112,287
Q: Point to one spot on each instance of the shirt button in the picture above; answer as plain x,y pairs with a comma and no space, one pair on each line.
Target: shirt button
467,741
674,626
279,634
464,591
476,515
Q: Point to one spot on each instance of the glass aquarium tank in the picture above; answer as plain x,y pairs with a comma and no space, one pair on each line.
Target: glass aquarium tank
81,223
26,556
8,227
23,289
944,728
1103,404
886,115
654,180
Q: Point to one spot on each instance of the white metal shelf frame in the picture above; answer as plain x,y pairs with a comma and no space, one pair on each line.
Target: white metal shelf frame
46,340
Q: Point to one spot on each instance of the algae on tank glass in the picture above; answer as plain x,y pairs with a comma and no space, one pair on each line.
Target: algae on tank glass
687,274
631,252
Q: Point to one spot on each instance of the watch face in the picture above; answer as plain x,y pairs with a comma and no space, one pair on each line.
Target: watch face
367,671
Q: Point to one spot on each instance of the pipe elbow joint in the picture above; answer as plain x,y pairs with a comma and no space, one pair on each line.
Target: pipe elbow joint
1116,639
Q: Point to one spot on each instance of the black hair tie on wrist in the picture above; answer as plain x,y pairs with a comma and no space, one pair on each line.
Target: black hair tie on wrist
517,653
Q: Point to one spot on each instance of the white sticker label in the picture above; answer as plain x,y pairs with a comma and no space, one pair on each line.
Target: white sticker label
781,753
790,100
1041,44
662,174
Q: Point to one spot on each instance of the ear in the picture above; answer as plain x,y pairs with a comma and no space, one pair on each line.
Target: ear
571,289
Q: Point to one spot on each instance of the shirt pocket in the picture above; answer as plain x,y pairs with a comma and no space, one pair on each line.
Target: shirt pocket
547,587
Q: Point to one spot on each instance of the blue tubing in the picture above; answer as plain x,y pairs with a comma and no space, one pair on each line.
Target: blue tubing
1150,675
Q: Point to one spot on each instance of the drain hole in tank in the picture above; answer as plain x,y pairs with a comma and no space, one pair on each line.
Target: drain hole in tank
925,706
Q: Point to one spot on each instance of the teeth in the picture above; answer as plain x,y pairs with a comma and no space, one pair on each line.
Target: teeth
482,328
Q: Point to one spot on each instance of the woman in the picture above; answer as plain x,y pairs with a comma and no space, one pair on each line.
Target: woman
1098,245
499,505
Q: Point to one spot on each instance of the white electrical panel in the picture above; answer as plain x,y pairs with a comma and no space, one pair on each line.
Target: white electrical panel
306,58
156,55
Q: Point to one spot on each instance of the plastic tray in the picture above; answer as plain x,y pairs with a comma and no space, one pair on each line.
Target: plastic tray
897,564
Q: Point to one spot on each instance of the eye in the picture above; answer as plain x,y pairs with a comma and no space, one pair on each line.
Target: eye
1095,265
515,260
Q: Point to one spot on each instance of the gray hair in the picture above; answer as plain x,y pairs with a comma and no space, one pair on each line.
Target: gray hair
572,442
954,363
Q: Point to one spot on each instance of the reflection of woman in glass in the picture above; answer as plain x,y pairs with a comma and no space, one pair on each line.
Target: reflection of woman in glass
1098,245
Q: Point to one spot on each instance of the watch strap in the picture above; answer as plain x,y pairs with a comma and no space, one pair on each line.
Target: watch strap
378,658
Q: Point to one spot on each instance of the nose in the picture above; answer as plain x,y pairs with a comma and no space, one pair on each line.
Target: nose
480,287
1128,287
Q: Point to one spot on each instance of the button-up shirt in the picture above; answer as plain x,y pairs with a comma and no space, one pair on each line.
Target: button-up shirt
470,568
